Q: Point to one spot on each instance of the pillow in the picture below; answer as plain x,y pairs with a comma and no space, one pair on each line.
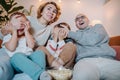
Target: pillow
117,49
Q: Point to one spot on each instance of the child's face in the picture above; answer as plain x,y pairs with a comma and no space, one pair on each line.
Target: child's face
49,12
61,27
81,21
19,23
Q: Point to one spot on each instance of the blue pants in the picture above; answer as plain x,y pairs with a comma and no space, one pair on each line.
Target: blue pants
33,65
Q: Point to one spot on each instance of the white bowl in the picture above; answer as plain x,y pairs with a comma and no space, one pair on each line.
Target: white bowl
64,74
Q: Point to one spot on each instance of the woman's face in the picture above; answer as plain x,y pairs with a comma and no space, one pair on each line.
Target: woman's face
49,12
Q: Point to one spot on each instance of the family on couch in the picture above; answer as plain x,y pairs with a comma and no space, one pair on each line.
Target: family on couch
57,46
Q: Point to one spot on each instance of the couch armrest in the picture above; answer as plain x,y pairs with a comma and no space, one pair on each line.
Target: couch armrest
0,43
117,49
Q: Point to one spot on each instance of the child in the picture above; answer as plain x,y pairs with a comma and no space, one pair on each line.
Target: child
19,42
19,38
60,50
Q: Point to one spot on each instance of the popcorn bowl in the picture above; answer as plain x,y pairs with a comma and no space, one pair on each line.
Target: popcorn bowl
64,74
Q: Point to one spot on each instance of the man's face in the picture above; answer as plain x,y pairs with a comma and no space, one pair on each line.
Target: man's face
81,21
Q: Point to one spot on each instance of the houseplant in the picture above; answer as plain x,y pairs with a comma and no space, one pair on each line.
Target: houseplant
6,8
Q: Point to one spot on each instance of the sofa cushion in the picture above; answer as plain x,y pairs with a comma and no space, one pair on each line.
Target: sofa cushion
21,76
6,70
117,49
114,41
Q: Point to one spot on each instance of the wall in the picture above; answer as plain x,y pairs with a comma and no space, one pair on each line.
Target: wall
112,17
94,9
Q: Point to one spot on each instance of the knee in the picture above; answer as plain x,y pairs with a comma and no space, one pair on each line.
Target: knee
85,71
71,47
39,52
40,48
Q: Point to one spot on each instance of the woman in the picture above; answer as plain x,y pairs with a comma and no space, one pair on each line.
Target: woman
47,13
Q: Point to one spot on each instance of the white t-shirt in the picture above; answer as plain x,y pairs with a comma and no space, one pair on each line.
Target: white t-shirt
55,48
21,47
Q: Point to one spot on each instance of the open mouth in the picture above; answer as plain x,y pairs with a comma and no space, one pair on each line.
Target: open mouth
20,29
50,16
81,23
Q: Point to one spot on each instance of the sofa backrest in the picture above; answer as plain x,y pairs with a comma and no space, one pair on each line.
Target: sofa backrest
114,41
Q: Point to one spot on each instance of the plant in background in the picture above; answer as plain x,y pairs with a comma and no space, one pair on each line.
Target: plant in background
28,12
6,8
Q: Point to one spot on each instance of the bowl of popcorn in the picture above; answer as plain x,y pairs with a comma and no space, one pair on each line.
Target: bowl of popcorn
62,74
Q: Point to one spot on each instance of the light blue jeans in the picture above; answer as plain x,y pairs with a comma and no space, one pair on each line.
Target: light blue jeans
33,65
96,69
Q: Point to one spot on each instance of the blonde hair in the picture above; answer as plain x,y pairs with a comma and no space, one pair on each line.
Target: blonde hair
41,7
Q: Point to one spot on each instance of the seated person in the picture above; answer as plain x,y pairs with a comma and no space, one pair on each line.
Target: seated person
19,42
95,58
60,51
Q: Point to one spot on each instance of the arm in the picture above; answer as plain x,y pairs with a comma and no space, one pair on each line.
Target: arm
12,43
75,35
92,36
29,37
97,35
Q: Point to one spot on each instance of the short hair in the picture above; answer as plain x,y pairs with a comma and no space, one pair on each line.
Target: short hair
62,23
42,6
17,13
83,15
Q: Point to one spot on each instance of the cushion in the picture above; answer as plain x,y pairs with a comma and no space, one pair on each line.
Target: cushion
22,76
117,49
6,70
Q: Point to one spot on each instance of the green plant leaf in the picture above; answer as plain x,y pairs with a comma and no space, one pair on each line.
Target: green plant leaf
1,11
15,9
4,4
14,4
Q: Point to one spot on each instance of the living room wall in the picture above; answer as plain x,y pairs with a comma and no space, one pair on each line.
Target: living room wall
112,17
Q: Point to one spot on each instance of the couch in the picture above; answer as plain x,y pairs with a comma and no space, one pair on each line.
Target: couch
7,73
